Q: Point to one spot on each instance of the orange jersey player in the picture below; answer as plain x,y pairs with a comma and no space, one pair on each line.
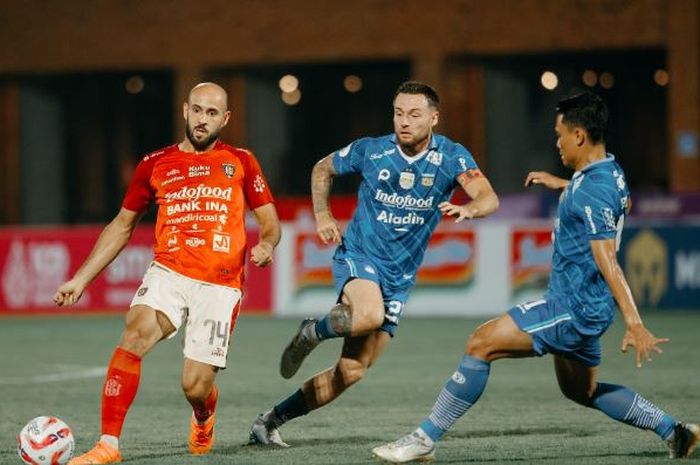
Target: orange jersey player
202,187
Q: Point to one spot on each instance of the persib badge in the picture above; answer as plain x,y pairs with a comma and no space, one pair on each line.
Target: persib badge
407,179
229,169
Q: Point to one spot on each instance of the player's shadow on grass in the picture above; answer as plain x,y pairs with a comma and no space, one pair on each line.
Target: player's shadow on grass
519,432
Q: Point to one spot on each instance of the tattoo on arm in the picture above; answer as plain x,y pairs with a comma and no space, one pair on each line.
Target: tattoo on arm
341,319
321,182
468,176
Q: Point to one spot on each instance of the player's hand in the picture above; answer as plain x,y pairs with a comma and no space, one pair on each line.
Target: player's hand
459,212
261,254
68,293
327,228
545,179
643,342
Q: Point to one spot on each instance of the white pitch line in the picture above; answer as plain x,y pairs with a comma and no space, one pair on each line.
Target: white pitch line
94,372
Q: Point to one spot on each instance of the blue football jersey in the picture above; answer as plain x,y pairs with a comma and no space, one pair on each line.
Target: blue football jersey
593,206
397,208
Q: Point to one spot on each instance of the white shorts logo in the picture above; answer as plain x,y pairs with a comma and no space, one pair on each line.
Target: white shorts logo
222,243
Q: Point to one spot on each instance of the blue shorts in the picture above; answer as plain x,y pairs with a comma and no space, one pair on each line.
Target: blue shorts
553,330
346,268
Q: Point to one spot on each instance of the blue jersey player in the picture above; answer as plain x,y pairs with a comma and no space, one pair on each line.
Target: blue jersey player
407,179
578,307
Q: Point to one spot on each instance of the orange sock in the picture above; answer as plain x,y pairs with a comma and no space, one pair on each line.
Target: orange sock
119,390
203,413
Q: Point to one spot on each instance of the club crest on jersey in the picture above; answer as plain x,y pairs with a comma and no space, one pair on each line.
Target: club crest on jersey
407,179
427,180
229,169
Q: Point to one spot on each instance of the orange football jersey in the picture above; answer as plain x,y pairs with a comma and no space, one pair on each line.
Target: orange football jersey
201,198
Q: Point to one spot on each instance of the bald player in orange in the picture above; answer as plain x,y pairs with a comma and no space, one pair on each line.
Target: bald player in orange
202,188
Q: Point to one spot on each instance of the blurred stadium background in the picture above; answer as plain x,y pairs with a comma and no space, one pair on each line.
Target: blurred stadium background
88,87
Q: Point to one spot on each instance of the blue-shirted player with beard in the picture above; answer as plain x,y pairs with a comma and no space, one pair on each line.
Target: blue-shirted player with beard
578,307
407,180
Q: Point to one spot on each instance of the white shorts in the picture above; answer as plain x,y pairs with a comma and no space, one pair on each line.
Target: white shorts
209,311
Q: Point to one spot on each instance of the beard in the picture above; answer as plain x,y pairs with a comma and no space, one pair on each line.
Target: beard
203,144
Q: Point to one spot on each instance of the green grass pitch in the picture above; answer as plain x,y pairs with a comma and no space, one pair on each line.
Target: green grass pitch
521,418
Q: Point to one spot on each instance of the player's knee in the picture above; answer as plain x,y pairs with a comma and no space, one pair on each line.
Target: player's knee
367,317
578,395
195,388
349,371
478,345
138,339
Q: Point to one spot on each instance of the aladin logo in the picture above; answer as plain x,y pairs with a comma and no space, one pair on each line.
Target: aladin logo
646,267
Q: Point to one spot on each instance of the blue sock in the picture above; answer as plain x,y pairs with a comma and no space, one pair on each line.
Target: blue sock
291,407
625,405
324,330
462,391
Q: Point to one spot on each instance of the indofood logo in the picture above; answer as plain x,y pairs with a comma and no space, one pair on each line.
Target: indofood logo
646,267
404,201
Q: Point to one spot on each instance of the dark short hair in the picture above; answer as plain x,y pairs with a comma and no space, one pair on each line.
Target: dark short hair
419,88
585,110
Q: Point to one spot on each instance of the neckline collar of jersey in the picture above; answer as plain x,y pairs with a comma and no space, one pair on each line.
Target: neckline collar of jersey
608,158
433,145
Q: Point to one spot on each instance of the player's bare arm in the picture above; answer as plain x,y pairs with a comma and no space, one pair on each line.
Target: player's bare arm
636,334
111,241
269,223
545,179
478,188
321,182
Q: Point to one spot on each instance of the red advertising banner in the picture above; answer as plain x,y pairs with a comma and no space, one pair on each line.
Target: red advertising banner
531,257
35,261
449,259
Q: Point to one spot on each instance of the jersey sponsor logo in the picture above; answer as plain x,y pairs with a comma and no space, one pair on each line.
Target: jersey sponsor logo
173,172
435,158
221,243
404,201
201,191
172,180
200,170
141,292
589,215
188,218
608,219
377,156
407,179
463,163
229,169
183,207
427,180
384,175
258,183
195,242
619,180
390,218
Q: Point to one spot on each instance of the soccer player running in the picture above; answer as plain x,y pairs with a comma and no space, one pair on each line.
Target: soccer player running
202,187
407,180
579,305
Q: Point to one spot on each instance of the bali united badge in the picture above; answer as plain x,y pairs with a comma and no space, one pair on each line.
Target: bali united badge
407,179
229,169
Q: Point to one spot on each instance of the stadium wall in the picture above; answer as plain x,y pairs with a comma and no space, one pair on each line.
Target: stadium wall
474,268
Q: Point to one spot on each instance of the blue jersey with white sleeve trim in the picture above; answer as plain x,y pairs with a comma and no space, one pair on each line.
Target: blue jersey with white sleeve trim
397,208
591,207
